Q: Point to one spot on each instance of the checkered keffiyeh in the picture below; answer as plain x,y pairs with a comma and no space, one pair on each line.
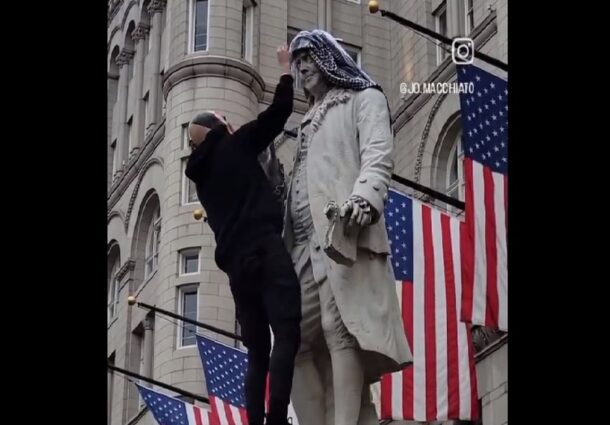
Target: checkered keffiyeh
332,60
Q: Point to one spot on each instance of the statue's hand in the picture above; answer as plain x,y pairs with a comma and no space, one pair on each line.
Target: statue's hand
360,211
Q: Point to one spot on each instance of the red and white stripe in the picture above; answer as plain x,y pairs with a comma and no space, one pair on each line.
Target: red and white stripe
198,416
485,275
227,414
441,382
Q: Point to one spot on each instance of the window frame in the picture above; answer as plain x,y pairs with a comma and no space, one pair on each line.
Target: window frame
247,31
347,47
154,233
469,17
184,290
456,155
182,254
441,54
113,292
186,184
115,156
193,27
130,133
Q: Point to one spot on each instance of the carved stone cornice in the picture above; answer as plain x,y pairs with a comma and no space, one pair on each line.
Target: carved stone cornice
113,8
126,268
491,347
424,137
140,32
214,66
124,57
131,172
156,6
483,336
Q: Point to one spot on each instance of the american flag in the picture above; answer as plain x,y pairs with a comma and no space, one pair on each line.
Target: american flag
225,373
171,411
485,139
441,382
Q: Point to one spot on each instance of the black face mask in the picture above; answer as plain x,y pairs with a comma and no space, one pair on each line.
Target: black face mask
211,121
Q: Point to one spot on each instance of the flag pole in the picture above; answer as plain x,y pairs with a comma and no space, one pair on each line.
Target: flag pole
404,181
430,192
374,8
131,300
159,384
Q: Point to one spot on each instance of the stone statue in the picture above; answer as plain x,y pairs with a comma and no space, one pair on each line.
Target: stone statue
351,331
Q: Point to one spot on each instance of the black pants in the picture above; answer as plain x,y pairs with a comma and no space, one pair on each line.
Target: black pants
267,293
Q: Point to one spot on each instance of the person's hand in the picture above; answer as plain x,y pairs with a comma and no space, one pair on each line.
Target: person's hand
283,58
359,210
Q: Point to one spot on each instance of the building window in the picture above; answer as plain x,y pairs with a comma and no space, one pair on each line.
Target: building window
113,291
111,361
292,33
247,30
146,117
115,153
189,190
136,360
448,163
189,261
149,43
130,132
185,136
130,68
141,368
353,52
455,171
199,19
188,309
469,16
152,245
161,76
440,19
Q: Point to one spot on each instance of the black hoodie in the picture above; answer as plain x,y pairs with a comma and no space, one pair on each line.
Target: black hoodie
231,184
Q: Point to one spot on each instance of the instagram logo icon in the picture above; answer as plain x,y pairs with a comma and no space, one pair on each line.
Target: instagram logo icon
462,51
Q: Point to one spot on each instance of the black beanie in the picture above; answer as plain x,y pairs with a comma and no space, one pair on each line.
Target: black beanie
207,119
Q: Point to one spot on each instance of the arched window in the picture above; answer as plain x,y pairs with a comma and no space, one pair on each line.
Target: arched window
113,284
113,80
130,45
112,96
455,171
448,162
146,44
152,245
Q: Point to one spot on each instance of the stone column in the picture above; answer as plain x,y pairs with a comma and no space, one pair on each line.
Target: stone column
149,345
122,61
138,35
155,9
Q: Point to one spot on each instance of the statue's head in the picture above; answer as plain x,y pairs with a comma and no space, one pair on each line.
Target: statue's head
312,79
318,59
